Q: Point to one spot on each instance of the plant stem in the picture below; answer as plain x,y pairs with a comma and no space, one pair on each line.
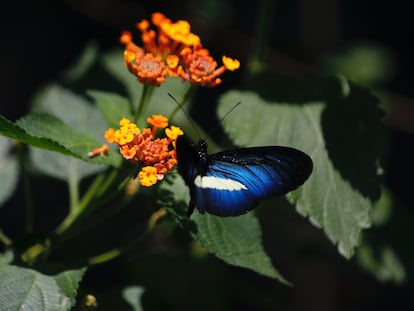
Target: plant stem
5,239
107,256
92,190
115,252
97,194
73,184
145,95
76,209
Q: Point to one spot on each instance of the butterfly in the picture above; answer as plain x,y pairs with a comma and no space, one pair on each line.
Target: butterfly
233,182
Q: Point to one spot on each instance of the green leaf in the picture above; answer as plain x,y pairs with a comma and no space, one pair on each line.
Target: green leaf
112,106
235,240
385,265
43,131
335,125
77,113
62,167
27,289
11,130
75,143
385,252
6,257
132,295
8,170
68,282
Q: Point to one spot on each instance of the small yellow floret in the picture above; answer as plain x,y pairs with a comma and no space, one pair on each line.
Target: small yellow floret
173,132
172,61
230,63
148,176
110,136
123,136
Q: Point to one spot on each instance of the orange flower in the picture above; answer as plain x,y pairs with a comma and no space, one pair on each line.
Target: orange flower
104,149
158,120
171,49
202,69
128,152
150,70
156,156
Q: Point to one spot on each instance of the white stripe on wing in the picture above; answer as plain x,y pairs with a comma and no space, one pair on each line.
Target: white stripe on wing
217,183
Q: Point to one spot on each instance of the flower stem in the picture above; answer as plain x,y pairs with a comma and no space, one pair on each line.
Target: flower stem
73,184
92,190
116,252
74,207
183,100
145,96
77,207
104,257
99,192
5,239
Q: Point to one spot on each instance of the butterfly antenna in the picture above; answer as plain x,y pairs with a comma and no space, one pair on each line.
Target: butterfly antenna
222,119
228,112
186,114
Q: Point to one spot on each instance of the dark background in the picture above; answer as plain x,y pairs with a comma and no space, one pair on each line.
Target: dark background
42,38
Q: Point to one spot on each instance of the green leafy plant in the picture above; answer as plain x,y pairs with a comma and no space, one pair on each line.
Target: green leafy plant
335,121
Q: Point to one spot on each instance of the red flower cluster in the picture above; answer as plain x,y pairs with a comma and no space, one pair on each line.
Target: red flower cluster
172,49
157,156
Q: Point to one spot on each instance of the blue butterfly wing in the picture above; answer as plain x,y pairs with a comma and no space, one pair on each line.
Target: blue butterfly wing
230,183
251,174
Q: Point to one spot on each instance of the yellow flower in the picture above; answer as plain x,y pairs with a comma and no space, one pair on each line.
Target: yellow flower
230,63
180,32
123,136
110,136
173,132
148,176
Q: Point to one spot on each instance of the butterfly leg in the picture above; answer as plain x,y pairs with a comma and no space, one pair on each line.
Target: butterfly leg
191,207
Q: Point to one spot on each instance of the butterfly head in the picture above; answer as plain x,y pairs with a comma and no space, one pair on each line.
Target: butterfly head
192,158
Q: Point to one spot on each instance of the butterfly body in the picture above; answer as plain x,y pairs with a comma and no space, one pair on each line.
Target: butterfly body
231,183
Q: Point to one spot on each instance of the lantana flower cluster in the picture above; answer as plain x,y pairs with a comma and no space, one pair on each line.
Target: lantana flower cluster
156,156
171,49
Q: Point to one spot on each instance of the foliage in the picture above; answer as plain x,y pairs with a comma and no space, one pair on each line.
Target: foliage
337,122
